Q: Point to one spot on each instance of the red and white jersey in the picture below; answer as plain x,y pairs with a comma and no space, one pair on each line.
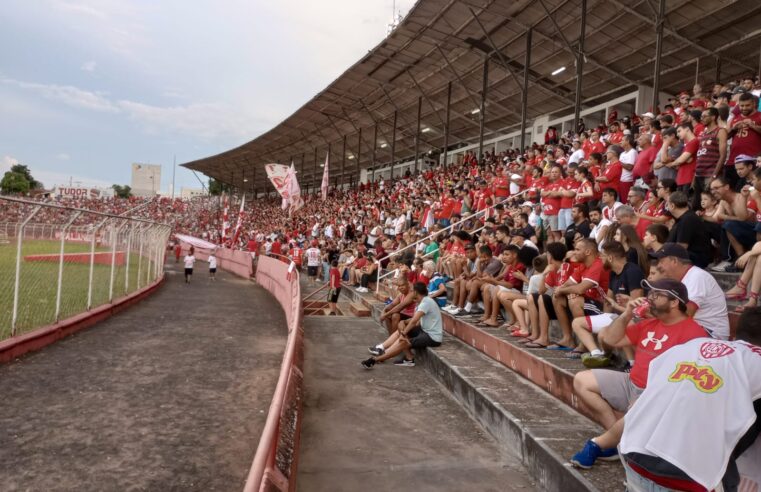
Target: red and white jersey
697,405
313,257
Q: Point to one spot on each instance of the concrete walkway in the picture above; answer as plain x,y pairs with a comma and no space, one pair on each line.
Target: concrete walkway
170,394
391,428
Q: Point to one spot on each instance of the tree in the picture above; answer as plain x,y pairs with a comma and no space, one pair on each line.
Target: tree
24,171
218,187
14,182
122,191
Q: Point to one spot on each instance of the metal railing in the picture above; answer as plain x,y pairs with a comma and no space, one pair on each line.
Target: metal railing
57,261
382,275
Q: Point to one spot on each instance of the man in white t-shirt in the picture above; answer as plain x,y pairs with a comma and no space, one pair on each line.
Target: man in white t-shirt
314,258
627,158
578,153
698,414
707,305
400,223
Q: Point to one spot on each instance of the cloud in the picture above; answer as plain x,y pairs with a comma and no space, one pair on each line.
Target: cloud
89,66
63,156
67,94
203,120
82,8
6,163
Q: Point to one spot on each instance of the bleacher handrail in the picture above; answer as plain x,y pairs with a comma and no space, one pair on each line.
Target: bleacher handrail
429,236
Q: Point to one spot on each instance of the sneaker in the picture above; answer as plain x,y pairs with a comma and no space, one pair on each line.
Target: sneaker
595,361
721,266
456,311
376,351
362,289
591,453
368,364
462,312
402,362
476,311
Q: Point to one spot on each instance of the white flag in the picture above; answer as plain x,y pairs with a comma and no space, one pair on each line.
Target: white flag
325,178
294,191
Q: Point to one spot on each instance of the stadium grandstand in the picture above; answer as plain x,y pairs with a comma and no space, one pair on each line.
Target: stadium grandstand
554,206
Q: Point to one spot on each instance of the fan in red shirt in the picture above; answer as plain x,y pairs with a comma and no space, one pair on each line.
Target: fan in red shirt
582,294
502,186
745,132
551,197
595,145
611,178
686,162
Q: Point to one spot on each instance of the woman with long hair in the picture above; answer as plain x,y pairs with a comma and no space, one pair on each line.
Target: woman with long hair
635,250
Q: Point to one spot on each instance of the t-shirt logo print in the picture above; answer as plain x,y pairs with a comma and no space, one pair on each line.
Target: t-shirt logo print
704,378
657,341
714,350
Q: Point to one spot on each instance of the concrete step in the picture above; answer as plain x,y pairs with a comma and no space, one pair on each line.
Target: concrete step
526,421
359,310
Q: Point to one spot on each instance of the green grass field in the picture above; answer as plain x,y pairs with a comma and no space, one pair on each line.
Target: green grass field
39,282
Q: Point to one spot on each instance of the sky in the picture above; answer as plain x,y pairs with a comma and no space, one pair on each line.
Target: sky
88,87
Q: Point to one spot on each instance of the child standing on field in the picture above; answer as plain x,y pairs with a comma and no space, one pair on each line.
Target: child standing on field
212,266
190,260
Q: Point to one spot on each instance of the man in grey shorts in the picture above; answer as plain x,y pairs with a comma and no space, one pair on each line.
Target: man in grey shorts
608,393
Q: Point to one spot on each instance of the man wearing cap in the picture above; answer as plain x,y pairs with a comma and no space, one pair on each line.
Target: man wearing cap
707,304
744,166
608,393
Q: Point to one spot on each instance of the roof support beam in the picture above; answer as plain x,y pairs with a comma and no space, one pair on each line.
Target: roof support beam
524,96
523,86
580,64
482,112
674,33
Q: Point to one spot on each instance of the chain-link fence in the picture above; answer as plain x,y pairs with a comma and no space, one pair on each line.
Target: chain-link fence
58,261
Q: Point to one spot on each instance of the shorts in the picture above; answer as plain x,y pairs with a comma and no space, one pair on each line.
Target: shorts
564,219
312,271
551,223
420,339
744,232
188,271
617,388
549,307
404,317
597,322
333,295
212,270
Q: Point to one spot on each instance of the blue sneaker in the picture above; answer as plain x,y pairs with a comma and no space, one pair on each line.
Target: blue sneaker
592,452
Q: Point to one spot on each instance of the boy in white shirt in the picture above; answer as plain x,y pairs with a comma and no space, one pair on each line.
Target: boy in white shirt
212,267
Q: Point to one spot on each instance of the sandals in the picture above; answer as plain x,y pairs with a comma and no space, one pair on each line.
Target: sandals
742,296
753,297
535,345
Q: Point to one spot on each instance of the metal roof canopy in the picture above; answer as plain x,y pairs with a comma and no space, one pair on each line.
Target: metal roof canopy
441,42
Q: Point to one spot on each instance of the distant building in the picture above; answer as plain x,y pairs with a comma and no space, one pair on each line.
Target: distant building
146,179
188,193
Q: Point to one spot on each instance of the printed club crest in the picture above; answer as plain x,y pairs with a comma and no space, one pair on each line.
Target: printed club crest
714,350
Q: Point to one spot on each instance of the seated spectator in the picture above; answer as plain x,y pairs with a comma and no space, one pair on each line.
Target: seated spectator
580,225
625,284
724,411
580,295
707,303
608,393
655,236
600,224
540,307
460,284
437,286
368,273
635,250
738,228
656,211
689,231
423,330
520,305
499,293
401,308
488,267
610,204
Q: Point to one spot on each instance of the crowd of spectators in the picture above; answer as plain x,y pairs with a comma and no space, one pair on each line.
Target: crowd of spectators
612,232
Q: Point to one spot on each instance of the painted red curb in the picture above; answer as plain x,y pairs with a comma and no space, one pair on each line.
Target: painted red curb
14,347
